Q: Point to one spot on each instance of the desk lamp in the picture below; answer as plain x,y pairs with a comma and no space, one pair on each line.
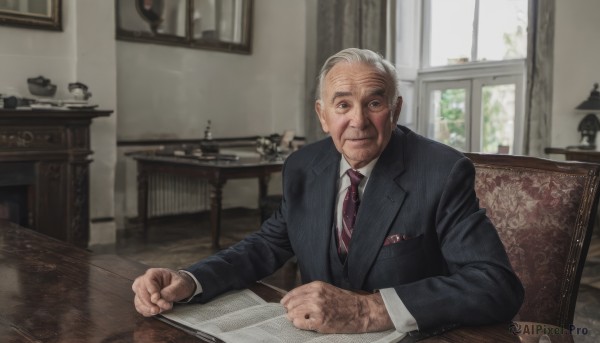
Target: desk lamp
590,124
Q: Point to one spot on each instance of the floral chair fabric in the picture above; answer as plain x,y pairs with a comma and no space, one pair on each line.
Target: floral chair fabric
543,211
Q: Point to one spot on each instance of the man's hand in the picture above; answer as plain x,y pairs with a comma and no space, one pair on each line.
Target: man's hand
158,288
324,308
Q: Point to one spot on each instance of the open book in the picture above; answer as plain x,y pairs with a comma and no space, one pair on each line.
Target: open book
242,316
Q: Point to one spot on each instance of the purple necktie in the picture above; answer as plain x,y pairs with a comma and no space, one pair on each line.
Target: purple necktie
349,210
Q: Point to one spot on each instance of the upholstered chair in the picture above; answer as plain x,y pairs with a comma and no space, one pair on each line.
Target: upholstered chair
544,212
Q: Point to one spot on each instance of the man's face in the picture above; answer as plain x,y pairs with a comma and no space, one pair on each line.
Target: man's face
354,109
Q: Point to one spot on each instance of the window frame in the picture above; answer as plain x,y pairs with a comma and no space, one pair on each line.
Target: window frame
437,85
479,73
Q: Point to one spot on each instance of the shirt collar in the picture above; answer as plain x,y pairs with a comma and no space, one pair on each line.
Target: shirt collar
366,170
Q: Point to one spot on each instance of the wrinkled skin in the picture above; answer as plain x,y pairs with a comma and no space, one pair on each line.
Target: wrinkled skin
321,307
357,112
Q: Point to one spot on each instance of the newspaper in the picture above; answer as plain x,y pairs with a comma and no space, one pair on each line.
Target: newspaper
242,316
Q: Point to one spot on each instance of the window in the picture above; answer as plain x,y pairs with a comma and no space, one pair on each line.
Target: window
474,110
461,31
471,73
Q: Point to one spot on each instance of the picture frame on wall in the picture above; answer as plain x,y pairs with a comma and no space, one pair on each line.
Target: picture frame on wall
222,25
32,14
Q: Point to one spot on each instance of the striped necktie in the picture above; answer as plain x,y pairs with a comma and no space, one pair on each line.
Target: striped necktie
349,211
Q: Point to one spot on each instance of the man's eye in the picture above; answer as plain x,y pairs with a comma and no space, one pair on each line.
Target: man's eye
342,105
375,104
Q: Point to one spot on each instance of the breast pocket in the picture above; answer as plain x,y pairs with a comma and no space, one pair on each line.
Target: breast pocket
398,263
400,248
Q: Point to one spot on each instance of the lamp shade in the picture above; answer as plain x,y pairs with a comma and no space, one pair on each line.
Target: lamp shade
593,102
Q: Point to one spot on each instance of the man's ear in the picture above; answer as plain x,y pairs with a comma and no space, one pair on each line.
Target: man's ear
397,109
321,114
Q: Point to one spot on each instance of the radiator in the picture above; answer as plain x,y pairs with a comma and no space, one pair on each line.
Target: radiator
172,195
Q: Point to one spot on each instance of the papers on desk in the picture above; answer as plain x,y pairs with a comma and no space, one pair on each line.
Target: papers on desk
197,155
242,316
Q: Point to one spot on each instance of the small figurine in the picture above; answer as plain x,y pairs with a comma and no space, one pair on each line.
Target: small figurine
207,145
207,133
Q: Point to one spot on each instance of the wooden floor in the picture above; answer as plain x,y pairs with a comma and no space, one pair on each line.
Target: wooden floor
179,242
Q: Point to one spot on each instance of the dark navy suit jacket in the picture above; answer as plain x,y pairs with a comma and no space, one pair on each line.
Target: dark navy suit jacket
452,270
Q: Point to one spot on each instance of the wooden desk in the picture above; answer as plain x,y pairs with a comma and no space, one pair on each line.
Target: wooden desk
576,154
215,172
51,291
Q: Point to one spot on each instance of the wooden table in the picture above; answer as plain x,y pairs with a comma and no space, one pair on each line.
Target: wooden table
51,291
575,154
215,172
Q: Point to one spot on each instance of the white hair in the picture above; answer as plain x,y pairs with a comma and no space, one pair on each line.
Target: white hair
371,58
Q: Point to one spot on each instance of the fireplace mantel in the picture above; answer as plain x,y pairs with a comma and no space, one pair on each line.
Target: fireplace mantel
55,145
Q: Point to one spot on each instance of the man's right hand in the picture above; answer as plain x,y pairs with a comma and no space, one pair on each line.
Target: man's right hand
158,288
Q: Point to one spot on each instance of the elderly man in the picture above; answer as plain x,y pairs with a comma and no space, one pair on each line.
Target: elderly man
384,223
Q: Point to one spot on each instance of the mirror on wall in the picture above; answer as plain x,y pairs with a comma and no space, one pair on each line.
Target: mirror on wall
223,25
35,14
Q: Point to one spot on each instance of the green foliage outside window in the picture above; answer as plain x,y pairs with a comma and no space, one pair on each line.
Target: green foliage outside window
452,118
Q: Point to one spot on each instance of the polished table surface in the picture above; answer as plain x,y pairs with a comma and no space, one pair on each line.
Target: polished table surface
216,172
54,292
51,291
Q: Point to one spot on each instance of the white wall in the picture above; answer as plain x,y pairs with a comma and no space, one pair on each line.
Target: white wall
84,51
167,91
576,66
28,53
96,66
171,92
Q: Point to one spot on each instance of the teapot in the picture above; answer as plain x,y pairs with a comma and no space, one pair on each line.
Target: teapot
79,91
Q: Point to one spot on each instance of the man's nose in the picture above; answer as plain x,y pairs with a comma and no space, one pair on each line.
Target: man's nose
360,117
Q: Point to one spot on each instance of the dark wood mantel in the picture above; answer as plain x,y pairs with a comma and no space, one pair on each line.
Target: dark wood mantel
47,151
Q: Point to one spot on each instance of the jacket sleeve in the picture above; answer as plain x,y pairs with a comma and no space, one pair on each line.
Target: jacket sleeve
258,255
481,287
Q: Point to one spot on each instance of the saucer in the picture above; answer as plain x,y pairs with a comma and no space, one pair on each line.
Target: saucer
81,106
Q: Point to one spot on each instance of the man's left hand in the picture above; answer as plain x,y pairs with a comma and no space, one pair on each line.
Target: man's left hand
321,307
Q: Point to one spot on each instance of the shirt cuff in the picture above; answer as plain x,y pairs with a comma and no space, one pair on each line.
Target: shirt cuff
198,286
402,319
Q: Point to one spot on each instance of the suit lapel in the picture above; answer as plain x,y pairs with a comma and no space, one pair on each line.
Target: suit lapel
379,206
320,222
